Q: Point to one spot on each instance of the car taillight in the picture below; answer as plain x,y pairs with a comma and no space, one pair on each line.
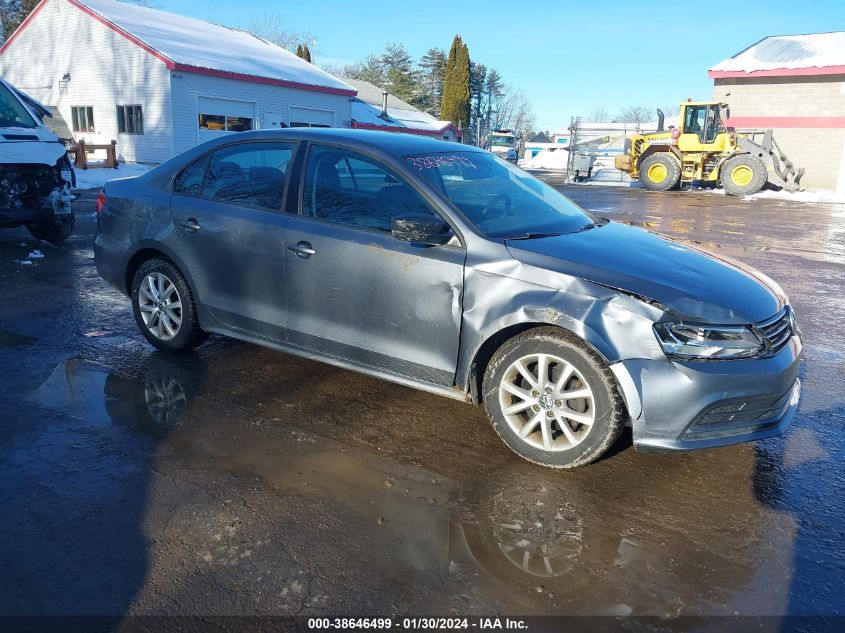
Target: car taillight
101,201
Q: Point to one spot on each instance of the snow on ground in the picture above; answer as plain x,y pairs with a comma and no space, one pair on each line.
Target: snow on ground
556,160
799,196
94,178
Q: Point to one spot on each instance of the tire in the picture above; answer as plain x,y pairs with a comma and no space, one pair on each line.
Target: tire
660,172
743,175
541,415
53,233
156,288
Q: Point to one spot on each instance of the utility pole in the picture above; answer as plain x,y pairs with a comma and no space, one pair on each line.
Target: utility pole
574,123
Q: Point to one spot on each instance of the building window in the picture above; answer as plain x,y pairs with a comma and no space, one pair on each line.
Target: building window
304,124
221,123
83,118
130,119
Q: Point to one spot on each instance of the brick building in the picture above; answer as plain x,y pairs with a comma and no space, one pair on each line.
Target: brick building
794,84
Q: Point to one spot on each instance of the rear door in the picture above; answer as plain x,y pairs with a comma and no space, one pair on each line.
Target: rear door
356,292
227,208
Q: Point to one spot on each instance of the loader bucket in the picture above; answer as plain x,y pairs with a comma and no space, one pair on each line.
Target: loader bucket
785,173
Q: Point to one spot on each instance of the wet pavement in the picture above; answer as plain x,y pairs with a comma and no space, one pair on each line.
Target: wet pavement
238,480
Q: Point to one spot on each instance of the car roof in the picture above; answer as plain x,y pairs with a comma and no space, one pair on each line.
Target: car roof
392,143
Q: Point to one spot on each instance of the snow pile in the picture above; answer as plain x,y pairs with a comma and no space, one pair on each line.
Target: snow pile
799,196
36,254
25,262
548,159
97,177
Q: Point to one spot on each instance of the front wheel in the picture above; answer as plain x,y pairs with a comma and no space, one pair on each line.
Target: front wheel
164,307
743,175
552,400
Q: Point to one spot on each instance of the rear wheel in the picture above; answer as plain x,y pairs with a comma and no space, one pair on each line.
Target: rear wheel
743,175
53,233
552,400
164,307
660,172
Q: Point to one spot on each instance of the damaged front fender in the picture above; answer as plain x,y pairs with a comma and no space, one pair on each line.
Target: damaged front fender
508,293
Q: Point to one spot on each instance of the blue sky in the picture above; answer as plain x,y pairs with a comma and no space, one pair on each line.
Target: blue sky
568,57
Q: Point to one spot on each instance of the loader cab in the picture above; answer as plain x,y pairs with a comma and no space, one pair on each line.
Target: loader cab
700,126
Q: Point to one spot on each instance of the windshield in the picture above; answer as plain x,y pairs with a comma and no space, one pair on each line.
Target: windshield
500,199
502,140
12,112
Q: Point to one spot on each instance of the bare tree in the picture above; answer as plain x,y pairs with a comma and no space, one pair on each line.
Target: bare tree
272,27
635,114
599,114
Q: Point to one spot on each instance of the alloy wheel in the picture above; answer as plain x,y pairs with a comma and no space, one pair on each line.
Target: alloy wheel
160,306
547,402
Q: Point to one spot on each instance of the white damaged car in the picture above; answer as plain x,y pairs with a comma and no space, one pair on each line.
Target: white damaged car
36,176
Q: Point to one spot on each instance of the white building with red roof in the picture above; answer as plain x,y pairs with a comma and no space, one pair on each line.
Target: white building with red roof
795,85
160,83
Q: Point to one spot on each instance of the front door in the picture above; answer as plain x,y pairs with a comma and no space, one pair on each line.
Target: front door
356,292
227,211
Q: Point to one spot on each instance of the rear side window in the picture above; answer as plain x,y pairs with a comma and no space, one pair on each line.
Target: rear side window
251,174
189,181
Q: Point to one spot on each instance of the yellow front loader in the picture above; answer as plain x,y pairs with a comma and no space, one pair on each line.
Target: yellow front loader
703,149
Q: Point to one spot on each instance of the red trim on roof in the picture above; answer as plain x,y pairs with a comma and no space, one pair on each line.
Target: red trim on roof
212,72
787,121
167,61
407,130
779,72
23,25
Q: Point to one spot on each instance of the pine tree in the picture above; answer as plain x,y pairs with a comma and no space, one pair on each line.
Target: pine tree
303,52
432,66
399,72
456,85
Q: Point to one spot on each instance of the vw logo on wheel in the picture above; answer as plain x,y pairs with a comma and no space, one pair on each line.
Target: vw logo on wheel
545,401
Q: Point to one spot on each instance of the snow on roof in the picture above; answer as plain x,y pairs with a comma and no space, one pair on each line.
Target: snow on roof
412,120
196,45
787,52
372,94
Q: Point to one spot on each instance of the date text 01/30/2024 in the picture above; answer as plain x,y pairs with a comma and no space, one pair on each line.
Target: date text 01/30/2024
431,623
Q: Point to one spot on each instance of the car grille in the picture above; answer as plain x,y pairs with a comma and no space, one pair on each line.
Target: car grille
778,330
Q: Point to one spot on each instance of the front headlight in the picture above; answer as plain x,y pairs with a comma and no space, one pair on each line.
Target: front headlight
704,341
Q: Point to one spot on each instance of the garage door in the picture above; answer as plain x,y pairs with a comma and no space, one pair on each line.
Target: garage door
216,117
310,117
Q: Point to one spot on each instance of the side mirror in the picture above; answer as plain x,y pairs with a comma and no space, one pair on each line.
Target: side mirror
420,228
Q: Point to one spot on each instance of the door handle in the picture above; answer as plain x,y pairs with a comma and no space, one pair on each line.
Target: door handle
191,225
303,250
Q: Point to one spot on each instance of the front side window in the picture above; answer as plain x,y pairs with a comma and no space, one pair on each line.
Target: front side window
501,200
83,118
12,111
347,188
250,174
130,119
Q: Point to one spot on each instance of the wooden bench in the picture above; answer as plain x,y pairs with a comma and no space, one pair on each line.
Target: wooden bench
83,148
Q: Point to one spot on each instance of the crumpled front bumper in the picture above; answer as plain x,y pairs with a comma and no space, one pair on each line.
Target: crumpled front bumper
692,405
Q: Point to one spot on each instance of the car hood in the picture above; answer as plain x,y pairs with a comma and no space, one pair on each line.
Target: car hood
694,284
34,152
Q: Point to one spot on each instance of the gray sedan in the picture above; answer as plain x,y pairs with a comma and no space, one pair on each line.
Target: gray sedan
445,268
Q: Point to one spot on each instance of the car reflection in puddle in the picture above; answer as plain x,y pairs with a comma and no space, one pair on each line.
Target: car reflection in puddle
626,539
